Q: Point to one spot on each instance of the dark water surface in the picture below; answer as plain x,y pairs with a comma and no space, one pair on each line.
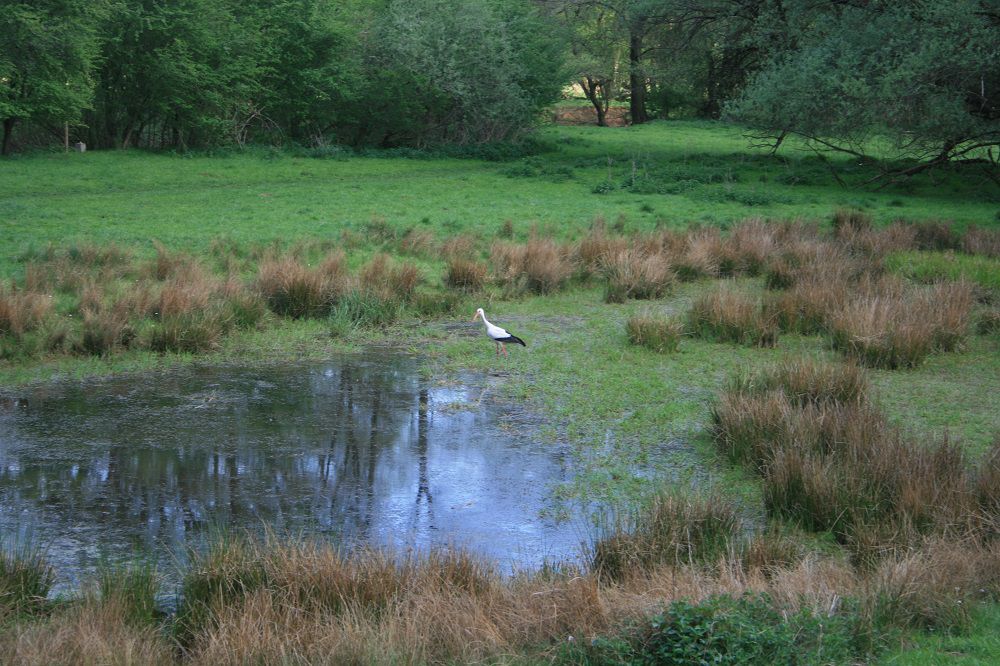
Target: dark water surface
355,450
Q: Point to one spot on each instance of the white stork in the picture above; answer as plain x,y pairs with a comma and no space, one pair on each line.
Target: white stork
497,334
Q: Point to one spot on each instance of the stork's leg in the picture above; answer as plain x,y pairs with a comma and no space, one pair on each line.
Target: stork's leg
498,350
504,348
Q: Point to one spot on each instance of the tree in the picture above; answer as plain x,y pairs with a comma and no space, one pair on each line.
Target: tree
910,81
464,71
47,53
597,51
170,73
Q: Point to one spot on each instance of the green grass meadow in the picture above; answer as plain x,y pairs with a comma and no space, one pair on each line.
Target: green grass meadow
667,173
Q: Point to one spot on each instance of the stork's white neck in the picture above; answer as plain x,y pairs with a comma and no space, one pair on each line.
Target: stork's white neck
486,322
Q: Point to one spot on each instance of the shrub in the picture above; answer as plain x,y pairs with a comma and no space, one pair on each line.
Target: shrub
660,334
634,274
730,316
748,629
465,274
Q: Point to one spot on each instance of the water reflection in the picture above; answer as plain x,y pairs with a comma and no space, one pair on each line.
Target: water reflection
360,450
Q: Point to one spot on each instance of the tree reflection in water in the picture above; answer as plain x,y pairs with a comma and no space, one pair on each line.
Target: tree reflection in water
358,450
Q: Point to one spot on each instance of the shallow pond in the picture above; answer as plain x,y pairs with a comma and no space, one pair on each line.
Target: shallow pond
354,450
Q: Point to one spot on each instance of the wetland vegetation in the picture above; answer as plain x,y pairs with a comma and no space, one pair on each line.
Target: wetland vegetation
244,416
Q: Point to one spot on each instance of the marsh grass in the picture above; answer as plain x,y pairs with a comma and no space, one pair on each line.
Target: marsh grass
830,461
539,266
633,273
729,315
25,579
669,530
22,311
132,588
295,290
658,333
465,274
890,325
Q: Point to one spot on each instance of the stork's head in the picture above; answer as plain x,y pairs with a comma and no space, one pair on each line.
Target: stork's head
479,313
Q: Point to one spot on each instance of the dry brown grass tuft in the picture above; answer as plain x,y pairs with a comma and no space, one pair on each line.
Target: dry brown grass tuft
830,461
168,264
877,243
658,333
728,315
889,324
388,280
417,242
929,588
462,246
89,632
106,329
633,273
596,247
465,274
936,235
671,530
753,242
846,221
22,311
539,266
982,241
701,256
296,290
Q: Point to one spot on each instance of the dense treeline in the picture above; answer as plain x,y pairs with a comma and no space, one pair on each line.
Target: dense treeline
191,73
923,74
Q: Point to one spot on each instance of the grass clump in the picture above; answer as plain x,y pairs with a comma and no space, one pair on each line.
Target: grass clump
133,589
830,461
659,334
465,274
889,325
728,315
25,579
295,290
671,530
633,273
540,266
846,221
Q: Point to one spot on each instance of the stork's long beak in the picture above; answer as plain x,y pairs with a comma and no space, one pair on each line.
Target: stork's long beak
475,316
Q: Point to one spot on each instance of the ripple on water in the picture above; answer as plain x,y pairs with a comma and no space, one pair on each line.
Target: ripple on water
356,450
